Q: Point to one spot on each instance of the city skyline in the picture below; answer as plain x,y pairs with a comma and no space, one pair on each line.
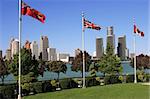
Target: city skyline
63,25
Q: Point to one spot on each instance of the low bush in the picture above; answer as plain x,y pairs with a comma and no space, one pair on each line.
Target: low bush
8,91
37,87
129,78
91,81
46,86
111,79
65,83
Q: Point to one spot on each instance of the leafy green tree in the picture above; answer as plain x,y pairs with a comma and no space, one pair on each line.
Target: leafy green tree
110,63
41,67
3,70
57,67
77,64
29,65
93,68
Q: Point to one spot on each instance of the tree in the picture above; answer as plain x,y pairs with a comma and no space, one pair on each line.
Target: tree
41,67
77,64
142,61
29,65
57,67
3,70
110,63
93,68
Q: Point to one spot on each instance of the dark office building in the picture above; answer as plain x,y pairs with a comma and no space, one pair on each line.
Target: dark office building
121,49
99,47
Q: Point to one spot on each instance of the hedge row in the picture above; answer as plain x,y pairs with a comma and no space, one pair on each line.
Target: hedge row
10,91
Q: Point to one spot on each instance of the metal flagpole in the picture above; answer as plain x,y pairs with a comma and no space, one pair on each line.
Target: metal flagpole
135,80
20,24
134,45
83,50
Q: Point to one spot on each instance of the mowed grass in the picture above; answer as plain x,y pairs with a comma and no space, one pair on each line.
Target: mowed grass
115,91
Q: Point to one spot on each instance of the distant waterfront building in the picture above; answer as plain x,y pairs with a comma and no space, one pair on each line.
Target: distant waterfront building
132,55
8,54
77,52
71,59
10,45
99,47
63,57
15,47
52,56
43,47
27,45
1,56
121,49
127,53
94,54
34,49
111,37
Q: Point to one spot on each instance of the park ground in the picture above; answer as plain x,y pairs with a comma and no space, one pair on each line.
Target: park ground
115,91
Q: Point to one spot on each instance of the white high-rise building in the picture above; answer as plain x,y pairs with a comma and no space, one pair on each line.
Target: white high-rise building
8,54
43,47
52,56
111,36
34,49
14,47
63,57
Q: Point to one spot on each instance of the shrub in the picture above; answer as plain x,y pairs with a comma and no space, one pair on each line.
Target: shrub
120,78
37,86
65,83
73,84
53,83
129,78
78,81
8,91
140,77
46,86
111,79
92,82
100,80
147,77
25,89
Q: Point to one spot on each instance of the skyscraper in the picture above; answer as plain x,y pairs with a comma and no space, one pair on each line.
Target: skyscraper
27,45
8,54
99,47
14,47
52,56
121,49
111,36
110,30
34,49
10,45
43,47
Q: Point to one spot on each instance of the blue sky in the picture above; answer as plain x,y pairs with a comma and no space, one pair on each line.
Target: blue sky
63,22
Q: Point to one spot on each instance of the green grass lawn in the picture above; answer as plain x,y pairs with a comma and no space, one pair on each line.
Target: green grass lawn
115,91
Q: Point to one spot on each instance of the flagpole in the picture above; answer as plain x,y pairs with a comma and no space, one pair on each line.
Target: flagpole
135,80
20,24
83,50
134,45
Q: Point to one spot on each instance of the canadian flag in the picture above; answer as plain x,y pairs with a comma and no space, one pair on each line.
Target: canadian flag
137,31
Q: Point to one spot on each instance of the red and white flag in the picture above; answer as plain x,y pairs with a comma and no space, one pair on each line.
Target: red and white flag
27,10
88,24
137,31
